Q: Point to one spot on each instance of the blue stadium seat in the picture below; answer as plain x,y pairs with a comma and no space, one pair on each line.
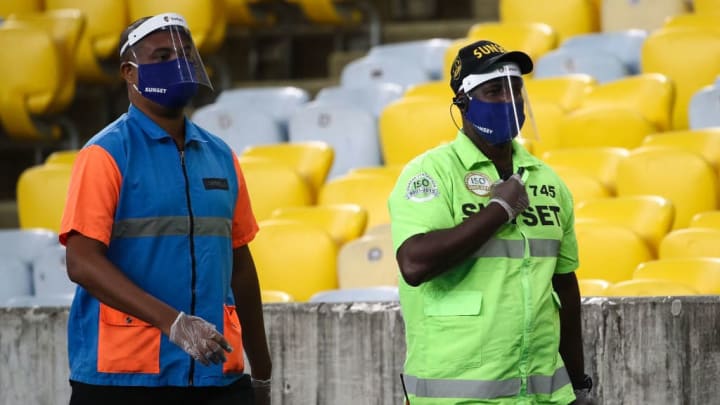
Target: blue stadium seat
426,53
386,69
704,107
239,124
602,66
280,102
625,45
372,98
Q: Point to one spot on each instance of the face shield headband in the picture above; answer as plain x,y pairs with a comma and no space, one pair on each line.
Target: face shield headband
168,74
496,110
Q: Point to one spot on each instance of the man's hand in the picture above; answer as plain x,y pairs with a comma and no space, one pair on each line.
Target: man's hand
582,397
511,195
199,339
261,390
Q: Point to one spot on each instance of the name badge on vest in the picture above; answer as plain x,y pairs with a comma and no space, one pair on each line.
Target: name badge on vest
215,184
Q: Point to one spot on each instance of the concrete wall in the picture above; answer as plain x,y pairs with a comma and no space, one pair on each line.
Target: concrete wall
640,351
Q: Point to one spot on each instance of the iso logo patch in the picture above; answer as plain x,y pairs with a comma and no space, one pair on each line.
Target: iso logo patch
421,188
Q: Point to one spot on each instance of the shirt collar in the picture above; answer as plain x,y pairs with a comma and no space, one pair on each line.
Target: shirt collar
153,130
471,157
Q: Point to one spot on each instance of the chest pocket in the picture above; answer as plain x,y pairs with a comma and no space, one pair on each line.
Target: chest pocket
455,303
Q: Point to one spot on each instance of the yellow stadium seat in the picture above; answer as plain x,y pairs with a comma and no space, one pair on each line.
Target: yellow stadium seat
343,222
567,18
690,242
567,91
645,287
693,21
311,159
608,252
437,89
65,27
379,229
545,135
582,186
97,52
650,217
533,38
368,262
31,71
251,13
333,12
707,7
692,64
273,186
41,194
593,287
604,126
702,274
707,219
682,177
387,170
294,257
62,157
369,191
598,162
650,94
275,296
431,126
649,15
206,18
8,7
704,142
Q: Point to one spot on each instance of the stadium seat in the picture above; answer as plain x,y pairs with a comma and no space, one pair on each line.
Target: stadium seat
682,177
367,294
593,287
650,217
62,157
32,301
704,142
439,89
702,274
533,38
332,12
599,162
41,194
311,159
704,107
370,70
567,18
626,45
96,56
545,135
607,126
26,244
650,94
351,132
250,13
692,21
17,279
280,102
366,190
567,91
386,170
207,18
50,272
618,15
239,125
372,98
65,27
31,70
707,7
273,186
601,65
379,230
426,53
411,126
275,296
707,219
8,7
608,252
649,288
368,261
690,66
343,222
306,265
690,242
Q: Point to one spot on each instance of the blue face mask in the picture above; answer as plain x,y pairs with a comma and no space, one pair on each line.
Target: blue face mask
495,122
164,83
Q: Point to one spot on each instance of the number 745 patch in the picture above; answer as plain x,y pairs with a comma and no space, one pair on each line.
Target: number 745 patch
544,189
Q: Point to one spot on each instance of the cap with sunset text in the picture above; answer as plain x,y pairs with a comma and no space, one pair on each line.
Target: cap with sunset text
482,55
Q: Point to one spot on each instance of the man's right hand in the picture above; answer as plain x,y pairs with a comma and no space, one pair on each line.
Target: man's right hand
199,339
511,195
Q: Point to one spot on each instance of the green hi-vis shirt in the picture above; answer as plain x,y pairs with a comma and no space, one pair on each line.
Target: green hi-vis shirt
487,330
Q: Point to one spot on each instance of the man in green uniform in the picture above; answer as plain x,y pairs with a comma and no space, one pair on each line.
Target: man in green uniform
485,241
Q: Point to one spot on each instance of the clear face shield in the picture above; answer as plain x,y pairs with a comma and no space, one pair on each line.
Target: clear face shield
498,105
169,66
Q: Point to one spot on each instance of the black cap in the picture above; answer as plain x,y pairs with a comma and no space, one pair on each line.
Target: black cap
479,56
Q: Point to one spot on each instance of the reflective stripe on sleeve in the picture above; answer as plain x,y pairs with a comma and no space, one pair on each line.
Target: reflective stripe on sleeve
514,249
547,384
171,226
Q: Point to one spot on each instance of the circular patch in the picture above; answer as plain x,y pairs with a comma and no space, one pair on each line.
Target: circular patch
478,183
421,188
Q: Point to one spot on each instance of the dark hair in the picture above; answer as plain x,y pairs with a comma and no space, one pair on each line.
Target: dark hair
126,33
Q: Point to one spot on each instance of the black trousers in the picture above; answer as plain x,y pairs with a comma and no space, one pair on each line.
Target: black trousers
237,393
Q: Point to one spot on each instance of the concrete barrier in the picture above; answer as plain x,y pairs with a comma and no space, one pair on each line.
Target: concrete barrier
639,350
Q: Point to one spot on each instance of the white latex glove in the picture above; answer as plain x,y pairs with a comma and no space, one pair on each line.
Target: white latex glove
199,339
511,195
